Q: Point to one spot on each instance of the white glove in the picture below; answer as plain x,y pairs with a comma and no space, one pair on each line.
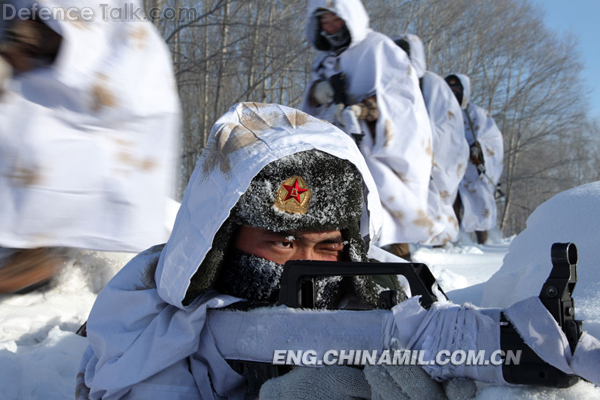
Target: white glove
403,382
356,109
339,115
460,389
323,92
351,124
6,73
327,383
348,116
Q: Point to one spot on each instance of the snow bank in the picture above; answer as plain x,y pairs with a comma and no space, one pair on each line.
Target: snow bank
571,216
39,350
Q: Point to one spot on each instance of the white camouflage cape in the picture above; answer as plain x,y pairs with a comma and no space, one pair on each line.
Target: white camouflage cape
477,191
450,149
400,155
88,145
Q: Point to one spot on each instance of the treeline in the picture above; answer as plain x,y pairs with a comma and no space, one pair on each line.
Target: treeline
527,76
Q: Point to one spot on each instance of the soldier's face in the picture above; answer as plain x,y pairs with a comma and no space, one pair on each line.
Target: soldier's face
456,87
280,247
457,90
331,23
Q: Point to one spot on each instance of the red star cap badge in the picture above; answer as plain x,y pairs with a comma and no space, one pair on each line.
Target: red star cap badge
294,191
293,196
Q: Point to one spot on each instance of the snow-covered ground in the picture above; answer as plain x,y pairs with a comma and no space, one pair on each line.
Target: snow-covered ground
40,352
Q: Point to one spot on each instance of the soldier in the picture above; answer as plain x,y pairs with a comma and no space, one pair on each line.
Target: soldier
476,204
361,76
273,185
450,149
89,122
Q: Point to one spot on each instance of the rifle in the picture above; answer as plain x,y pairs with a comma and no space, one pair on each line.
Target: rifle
338,83
350,123
297,287
298,290
481,167
556,295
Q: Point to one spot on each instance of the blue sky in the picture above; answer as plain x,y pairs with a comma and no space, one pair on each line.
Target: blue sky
582,18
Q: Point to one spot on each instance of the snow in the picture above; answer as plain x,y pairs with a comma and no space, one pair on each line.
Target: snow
572,216
40,352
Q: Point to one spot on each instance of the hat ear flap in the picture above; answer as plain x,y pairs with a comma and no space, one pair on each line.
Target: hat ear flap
208,272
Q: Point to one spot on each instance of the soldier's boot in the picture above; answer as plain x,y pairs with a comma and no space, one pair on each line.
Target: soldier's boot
27,270
482,236
401,250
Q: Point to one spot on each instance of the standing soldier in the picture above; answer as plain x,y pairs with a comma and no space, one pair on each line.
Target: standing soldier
476,193
363,83
450,149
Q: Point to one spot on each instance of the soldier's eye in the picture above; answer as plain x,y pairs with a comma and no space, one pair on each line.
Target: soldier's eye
337,246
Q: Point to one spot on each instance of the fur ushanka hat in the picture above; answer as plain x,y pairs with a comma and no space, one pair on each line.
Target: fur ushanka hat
306,191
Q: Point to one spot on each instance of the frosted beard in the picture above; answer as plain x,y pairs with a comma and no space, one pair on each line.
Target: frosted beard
257,280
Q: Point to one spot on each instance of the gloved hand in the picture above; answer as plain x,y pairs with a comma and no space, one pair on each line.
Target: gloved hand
349,120
460,389
477,157
350,123
323,92
356,109
403,382
327,383
339,115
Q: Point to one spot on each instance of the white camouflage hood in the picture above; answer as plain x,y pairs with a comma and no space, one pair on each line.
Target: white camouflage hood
466,83
417,53
243,141
351,11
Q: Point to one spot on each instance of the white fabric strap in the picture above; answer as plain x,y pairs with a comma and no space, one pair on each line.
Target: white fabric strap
449,327
545,337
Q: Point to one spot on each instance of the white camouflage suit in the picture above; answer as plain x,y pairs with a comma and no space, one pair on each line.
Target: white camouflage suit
399,153
450,149
477,190
88,144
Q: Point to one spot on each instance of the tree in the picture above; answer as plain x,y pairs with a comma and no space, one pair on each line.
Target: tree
525,75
